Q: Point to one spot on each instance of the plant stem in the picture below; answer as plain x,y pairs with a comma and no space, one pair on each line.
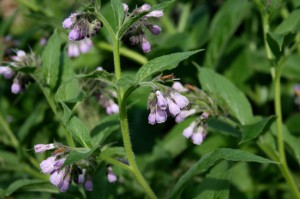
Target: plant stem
125,52
276,74
283,165
124,125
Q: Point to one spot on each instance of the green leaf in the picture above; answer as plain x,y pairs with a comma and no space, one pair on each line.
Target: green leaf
130,21
223,26
78,154
118,10
211,159
51,60
227,95
166,62
107,126
102,75
15,186
251,131
76,127
126,81
70,90
290,24
275,42
216,185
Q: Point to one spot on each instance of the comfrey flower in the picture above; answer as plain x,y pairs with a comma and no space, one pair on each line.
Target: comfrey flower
107,102
82,46
61,176
111,177
162,104
82,25
197,130
21,59
136,33
201,107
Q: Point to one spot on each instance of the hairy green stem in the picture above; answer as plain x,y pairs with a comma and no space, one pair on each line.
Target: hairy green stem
125,128
123,112
283,164
276,74
125,52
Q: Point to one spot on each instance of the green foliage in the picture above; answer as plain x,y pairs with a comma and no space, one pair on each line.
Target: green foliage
211,159
247,44
166,62
51,61
229,97
251,131
76,127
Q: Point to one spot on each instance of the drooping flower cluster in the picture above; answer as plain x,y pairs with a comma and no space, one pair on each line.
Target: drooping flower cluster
61,176
79,47
82,26
136,33
202,106
162,104
20,60
106,95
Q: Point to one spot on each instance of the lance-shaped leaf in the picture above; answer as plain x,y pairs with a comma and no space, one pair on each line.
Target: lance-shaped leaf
251,131
166,62
227,94
76,127
51,60
118,10
23,183
129,22
211,159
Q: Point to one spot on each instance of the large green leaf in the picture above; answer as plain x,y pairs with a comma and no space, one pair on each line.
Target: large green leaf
251,131
227,94
106,127
118,10
216,184
76,127
70,90
51,60
166,62
211,159
224,24
130,21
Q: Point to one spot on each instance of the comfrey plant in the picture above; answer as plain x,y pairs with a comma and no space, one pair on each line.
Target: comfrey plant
121,126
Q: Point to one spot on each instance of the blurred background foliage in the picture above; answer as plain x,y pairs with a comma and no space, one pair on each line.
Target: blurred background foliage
231,33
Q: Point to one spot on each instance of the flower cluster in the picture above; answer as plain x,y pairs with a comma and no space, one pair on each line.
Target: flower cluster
20,60
82,46
106,95
61,176
162,104
200,105
136,33
197,130
82,25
